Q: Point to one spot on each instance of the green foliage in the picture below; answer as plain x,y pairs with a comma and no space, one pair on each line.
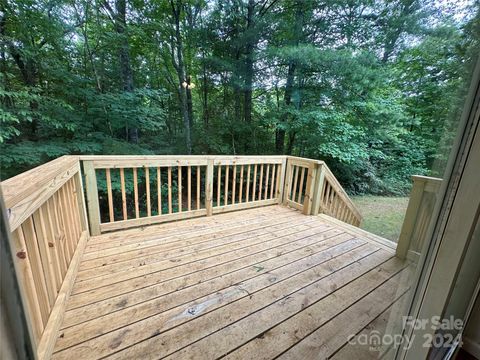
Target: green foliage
373,88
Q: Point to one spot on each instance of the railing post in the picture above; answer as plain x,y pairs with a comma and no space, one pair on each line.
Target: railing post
92,198
209,188
82,210
309,190
282,180
410,218
287,181
318,190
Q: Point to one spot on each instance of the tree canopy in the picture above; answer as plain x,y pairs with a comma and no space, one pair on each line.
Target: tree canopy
369,86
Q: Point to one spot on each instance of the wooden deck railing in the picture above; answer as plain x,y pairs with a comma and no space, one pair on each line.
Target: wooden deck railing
48,224
418,216
166,188
142,190
311,187
47,210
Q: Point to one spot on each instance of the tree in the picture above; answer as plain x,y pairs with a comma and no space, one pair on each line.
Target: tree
369,87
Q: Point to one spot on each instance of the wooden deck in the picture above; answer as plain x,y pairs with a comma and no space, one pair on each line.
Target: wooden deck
258,283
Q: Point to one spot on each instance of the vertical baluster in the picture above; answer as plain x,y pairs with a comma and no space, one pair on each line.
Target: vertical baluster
254,182
338,205
209,187
189,187
267,177
261,183
227,170
70,234
27,287
147,191
272,185
278,186
247,192
81,208
60,252
73,209
328,199
240,191
159,190
324,197
347,216
179,189
52,247
68,222
295,183
109,194
344,211
288,182
198,187
334,204
234,180
63,238
309,190
38,271
135,192
219,179
300,190
333,196
169,189
124,195
339,208
46,257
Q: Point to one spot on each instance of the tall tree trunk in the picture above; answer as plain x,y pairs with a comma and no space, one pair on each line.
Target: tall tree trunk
281,131
189,103
237,91
179,65
251,41
292,66
291,141
249,53
205,94
124,58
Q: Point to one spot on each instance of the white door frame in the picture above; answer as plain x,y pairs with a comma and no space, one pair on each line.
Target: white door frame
450,234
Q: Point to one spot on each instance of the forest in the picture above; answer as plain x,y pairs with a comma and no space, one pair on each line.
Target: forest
373,87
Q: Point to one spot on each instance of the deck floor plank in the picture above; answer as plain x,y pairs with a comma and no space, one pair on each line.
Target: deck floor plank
323,342
256,283
174,238
299,241
185,273
228,291
221,241
364,346
267,342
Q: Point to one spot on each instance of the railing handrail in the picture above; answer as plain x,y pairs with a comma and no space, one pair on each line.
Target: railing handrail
178,157
25,193
18,187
